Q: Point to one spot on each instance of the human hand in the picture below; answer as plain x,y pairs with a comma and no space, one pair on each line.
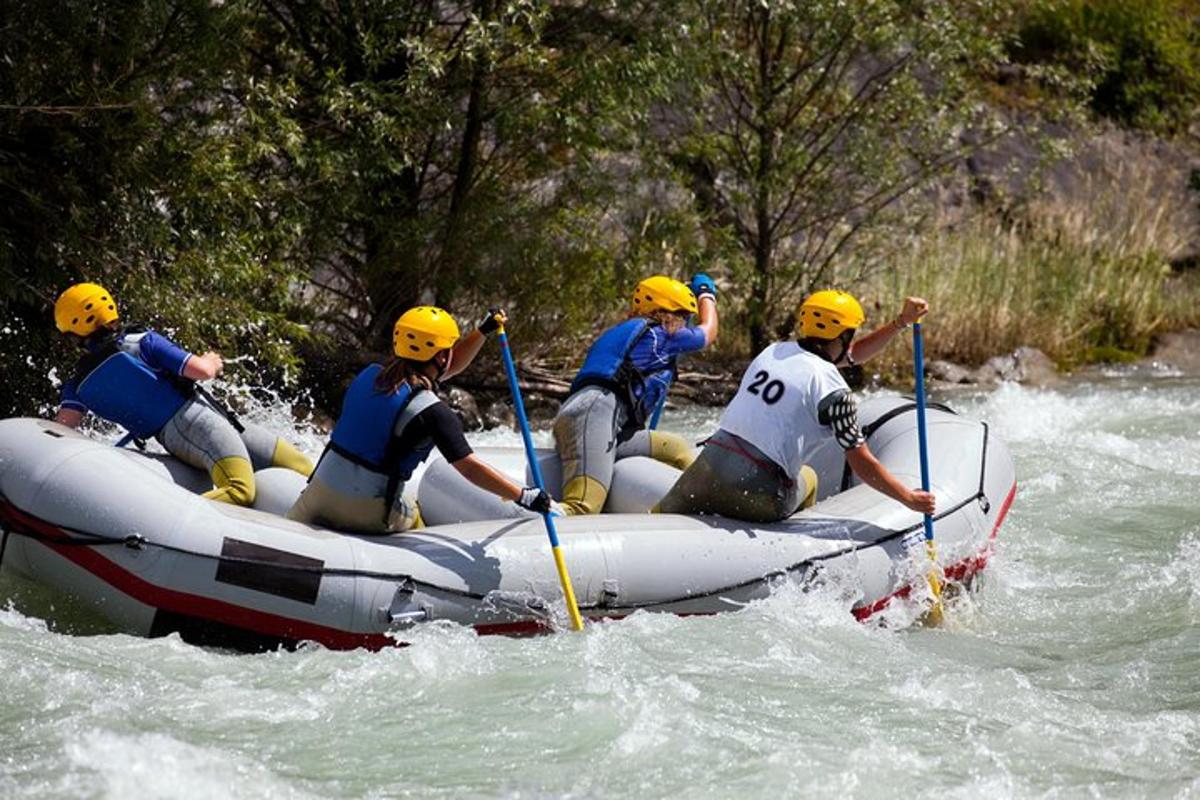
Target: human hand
534,499
920,501
914,309
490,323
702,285
214,361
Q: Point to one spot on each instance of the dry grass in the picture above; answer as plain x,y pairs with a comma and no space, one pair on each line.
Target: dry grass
1074,281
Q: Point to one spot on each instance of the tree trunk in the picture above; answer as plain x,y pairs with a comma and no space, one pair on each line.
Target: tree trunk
450,258
761,306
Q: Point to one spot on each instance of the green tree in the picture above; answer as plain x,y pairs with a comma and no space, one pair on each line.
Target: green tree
798,126
105,175
1143,58
443,152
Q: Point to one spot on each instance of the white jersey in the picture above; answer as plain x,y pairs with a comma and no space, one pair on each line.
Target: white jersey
776,405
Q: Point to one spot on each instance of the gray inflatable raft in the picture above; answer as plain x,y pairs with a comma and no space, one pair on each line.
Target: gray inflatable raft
125,535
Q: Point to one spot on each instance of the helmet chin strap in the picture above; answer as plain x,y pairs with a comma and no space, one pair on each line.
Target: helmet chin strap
440,364
844,338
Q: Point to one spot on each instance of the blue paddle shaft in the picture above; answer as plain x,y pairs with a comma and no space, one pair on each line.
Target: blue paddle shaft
523,421
658,409
922,440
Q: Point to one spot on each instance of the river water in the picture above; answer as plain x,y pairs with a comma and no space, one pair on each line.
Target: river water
1073,671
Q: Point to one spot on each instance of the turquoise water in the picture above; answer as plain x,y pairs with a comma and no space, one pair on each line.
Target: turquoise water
1073,671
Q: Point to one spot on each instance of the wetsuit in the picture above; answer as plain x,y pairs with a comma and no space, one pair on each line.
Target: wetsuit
627,372
135,378
789,401
378,441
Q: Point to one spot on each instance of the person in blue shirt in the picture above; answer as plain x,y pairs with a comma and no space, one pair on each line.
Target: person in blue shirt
626,374
391,421
145,383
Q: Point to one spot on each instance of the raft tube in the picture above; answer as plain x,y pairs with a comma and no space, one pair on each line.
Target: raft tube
124,536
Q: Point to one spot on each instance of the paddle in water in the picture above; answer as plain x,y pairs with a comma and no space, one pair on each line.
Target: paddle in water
934,615
519,406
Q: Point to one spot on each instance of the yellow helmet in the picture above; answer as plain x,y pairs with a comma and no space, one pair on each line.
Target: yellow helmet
83,309
661,292
423,332
824,315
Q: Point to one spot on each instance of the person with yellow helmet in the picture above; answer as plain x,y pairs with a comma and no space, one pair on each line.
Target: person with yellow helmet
790,401
146,383
392,419
626,374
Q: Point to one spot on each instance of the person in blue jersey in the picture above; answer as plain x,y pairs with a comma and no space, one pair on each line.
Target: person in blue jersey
144,382
391,420
624,377
791,400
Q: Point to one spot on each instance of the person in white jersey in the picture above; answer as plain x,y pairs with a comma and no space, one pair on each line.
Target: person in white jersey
791,399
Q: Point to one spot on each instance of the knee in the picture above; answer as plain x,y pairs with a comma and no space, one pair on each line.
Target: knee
583,495
671,449
288,457
234,479
809,485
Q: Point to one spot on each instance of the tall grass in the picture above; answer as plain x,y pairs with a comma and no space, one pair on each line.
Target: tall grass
1079,282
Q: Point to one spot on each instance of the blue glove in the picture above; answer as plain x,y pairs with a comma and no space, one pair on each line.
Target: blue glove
701,285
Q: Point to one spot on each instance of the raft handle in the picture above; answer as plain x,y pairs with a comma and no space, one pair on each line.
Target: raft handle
610,592
984,504
135,541
409,617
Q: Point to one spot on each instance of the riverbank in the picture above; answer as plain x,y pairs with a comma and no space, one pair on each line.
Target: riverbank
481,397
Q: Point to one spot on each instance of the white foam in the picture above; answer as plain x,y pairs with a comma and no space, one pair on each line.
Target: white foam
123,765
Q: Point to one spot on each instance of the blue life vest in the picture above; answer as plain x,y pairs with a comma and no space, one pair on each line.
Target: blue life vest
608,365
121,388
366,432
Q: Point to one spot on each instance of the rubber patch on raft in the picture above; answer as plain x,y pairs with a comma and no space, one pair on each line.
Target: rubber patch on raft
265,569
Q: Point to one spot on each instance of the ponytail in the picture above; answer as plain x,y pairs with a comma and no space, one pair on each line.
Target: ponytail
400,371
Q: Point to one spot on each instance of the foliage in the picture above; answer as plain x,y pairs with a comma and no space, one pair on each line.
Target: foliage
107,174
1082,283
1143,57
799,125
278,179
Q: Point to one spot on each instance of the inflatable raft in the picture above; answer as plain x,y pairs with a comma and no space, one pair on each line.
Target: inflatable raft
125,535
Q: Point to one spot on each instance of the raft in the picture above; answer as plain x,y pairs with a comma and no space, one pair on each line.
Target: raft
126,536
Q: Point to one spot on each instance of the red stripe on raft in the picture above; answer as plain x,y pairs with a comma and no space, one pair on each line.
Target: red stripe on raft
194,605
967,568
299,630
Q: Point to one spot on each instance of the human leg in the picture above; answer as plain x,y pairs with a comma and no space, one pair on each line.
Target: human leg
268,450
585,438
732,479
200,436
669,448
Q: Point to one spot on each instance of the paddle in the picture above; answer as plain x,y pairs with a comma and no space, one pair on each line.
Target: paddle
934,616
658,409
519,406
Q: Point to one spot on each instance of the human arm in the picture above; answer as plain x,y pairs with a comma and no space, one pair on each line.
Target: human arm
203,368
443,426
867,467
160,353
869,346
69,417
487,477
706,298
464,352
838,411
71,409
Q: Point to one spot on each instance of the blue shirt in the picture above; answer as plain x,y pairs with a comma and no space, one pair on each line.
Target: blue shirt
155,351
653,354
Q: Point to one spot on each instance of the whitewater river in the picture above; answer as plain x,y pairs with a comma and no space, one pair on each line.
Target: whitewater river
1074,671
